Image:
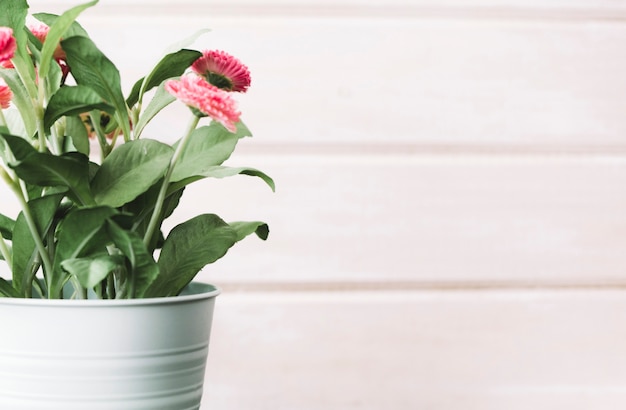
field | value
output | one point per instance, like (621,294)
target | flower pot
(135,354)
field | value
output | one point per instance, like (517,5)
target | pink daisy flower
(7,44)
(223,71)
(5,95)
(206,98)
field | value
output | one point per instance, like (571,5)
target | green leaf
(92,68)
(244,229)
(207,147)
(81,233)
(186,42)
(25,254)
(188,248)
(91,271)
(7,291)
(75,29)
(130,170)
(75,129)
(222,172)
(57,30)
(72,101)
(160,100)
(6,227)
(13,15)
(172,65)
(144,268)
(21,99)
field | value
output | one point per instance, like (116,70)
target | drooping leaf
(222,172)
(144,268)
(81,233)
(130,170)
(188,248)
(72,101)
(244,229)
(90,67)
(91,271)
(57,30)
(6,227)
(207,147)
(25,253)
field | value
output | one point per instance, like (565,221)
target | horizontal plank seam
(359,11)
(390,286)
(390,148)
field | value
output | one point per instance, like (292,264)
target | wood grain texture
(418,350)
(424,218)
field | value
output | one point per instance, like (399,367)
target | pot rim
(194,291)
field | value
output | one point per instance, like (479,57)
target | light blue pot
(141,354)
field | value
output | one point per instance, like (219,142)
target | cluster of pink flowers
(208,89)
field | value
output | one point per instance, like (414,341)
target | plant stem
(3,120)
(30,221)
(5,251)
(158,206)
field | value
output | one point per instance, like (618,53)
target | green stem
(3,120)
(30,221)
(5,251)
(158,206)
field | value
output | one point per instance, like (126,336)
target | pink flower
(7,44)
(223,71)
(206,98)
(5,95)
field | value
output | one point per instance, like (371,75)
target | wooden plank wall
(449,226)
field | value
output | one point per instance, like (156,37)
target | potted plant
(101,310)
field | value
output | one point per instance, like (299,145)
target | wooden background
(449,226)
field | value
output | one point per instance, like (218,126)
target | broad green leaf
(92,68)
(160,100)
(69,170)
(25,254)
(207,147)
(91,271)
(172,65)
(7,291)
(81,233)
(222,172)
(244,229)
(21,99)
(57,30)
(6,227)
(73,101)
(188,248)
(144,268)
(130,170)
